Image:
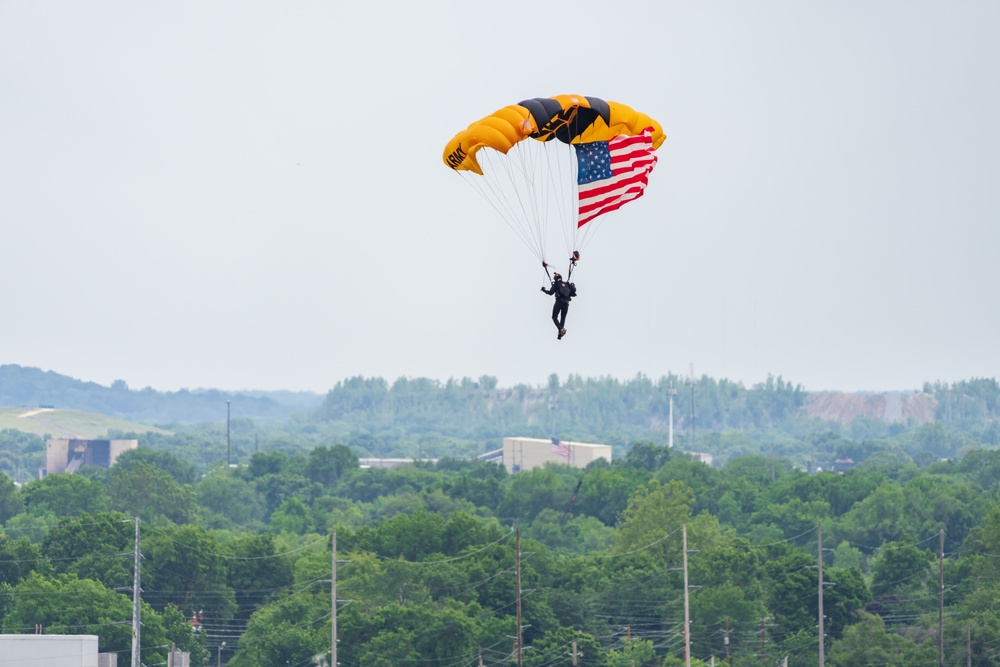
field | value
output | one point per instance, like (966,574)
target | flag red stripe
(632,159)
(618,183)
(615,204)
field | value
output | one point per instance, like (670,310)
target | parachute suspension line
(529,154)
(488,191)
(563,171)
(575,199)
(589,230)
(517,168)
(503,195)
(520,169)
(566,169)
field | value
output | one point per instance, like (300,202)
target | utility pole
(480,656)
(517,577)
(941,602)
(229,450)
(136,624)
(763,640)
(671,392)
(333,602)
(968,647)
(575,663)
(728,659)
(687,613)
(822,636)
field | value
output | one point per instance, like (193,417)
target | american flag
(560,448)
(612,173)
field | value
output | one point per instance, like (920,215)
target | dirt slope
(888,406)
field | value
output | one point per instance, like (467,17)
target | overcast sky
(250,195)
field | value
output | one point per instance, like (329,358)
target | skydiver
(563,292)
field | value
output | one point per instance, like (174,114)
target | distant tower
(671,392)
(690,383)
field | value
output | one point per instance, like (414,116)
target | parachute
(587,157)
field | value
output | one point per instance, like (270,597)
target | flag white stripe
(632,159)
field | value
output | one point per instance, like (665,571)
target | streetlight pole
(229,450)
(218,658)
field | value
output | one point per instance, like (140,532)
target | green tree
(556,647)
(579,535)
(868,643)
(97,546)
(186,566)
(18,558)
(604,492)
(646,456)
(654,514)
(532,491)
(64,495)
(150,493)
(843,602)
(65,604)
(791,582)
(11,502)
(182,471)
(231,497)
(878,518)
(636,653)
(276,488)
(290,631)
(293,517)
(329,464)
(256,572)
(899,566)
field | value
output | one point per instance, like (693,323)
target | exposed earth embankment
(887,406)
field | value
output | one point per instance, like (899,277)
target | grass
(67,423)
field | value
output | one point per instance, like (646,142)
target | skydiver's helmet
(556,276)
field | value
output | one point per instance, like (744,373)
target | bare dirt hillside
(888,407)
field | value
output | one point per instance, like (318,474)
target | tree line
(429,550)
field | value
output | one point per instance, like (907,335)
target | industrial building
(520,454)
(68,455)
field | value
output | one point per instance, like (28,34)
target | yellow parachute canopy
(571,119)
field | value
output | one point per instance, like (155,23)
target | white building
(527,453)
(49,651)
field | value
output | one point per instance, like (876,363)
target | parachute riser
(569,272)
(572,265)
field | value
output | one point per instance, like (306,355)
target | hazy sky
(251,194)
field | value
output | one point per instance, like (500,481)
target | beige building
(66,455)
(527,453)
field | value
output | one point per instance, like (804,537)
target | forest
(427,553)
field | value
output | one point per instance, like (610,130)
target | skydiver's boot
(562,332)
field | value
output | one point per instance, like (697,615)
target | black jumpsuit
(563,295)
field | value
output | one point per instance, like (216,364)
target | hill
(67,423)
(34,388)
